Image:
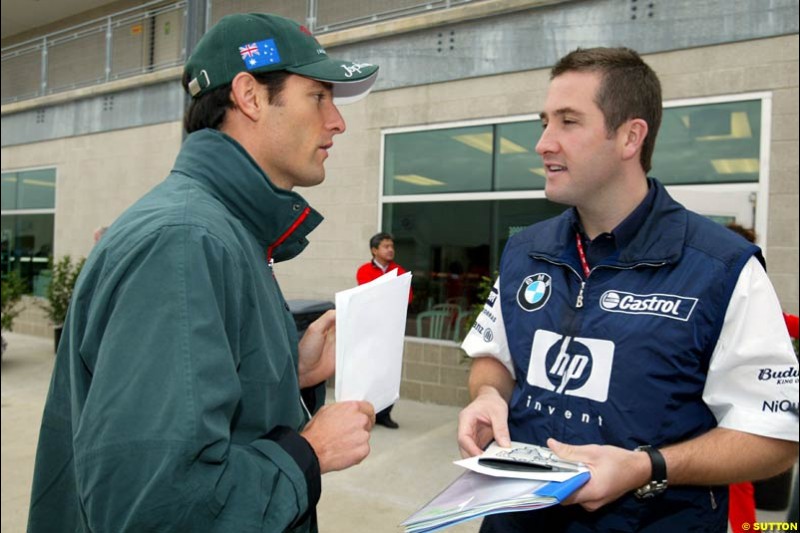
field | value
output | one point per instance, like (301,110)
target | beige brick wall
(98,176)
(435,373)
(32,319)
(349,196)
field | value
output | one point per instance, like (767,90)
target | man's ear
(634,134)
(247,95)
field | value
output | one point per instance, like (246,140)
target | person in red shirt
(382,247)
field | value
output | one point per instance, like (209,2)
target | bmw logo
(534,292)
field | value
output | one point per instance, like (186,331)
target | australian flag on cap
(259,54)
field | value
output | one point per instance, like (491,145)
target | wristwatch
(658,481)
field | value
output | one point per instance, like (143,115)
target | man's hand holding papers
(339,434)
(614,471)
(317,351)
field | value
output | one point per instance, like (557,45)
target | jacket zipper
(581,290)
(282,238)
(579,301)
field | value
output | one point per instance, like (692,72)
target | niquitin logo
(783,406)
(664,305)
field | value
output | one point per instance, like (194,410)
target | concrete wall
(763,65)
(349,196)
(435,372)
(32,319)
(98,176)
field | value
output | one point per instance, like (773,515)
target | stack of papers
(474,494)
(370,329)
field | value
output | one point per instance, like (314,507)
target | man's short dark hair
(629,89)
(747,233)
(208,110)
(376,240)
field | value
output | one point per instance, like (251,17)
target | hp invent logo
(574,366)
(664,305)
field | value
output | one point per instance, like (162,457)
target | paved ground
(406,468)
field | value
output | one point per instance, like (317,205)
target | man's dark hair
(628,89)
(376,240)
(747,233)
(208,110)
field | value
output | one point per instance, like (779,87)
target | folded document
(370,328)
(523,477)
(474,495)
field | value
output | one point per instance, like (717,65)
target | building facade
(441,152)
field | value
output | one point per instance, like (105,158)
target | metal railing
(128,43)
(151,37)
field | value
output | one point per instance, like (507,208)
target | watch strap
(658,477)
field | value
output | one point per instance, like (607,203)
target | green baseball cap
(261,42)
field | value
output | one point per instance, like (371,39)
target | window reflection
(712,143)
(520,170)
(438,161)
(27,238)
(449,245)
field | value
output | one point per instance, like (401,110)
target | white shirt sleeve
(753,378)
(487,337)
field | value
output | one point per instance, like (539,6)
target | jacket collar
(279,219)
(659,239)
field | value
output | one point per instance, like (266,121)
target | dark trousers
(383,415)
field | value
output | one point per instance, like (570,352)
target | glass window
(9,190)
(518,166)
(36,189)
(27,238)
(709,143)
(450,248)
(450,245)
(27,245)
(438,161)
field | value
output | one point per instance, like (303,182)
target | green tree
(59,292)
(484,289)
(13,288)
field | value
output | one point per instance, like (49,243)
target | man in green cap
(181,399)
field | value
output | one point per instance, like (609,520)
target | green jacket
(174,404)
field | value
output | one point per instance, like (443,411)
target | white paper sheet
(370,328)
